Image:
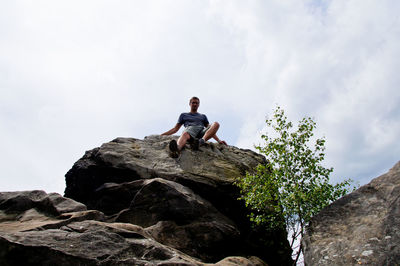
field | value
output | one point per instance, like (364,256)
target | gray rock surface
(363,227)
(173,215)
(188,203)
(31,233)
(129,159)
(129,203)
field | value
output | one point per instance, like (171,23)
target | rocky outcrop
(363,227)
(127,159)
(188,203)
(129,203)
(46,229)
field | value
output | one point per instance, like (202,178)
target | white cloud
(333,62)
(76,74)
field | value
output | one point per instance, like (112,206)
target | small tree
(293,185)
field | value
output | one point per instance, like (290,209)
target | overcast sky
(76,74)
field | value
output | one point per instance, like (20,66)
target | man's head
(194,104)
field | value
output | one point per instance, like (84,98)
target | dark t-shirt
(189,119)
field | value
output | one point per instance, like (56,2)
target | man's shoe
(202,142)
(173,147)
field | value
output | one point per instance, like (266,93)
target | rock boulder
(361,228)
(46,229)
(129,203)
(189,203)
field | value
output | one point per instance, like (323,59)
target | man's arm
(172,130)
(216,137)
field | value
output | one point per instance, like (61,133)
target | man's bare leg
(183,139)
(211,131)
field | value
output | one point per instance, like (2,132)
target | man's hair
(194,98)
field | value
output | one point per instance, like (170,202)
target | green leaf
(293,185)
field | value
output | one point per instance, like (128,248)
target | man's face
(194,105)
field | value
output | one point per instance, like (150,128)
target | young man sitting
(197,128)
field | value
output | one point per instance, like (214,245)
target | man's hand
(222,142)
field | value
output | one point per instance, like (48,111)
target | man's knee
(215,125)
(186,135)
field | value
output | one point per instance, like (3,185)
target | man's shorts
(196,131)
